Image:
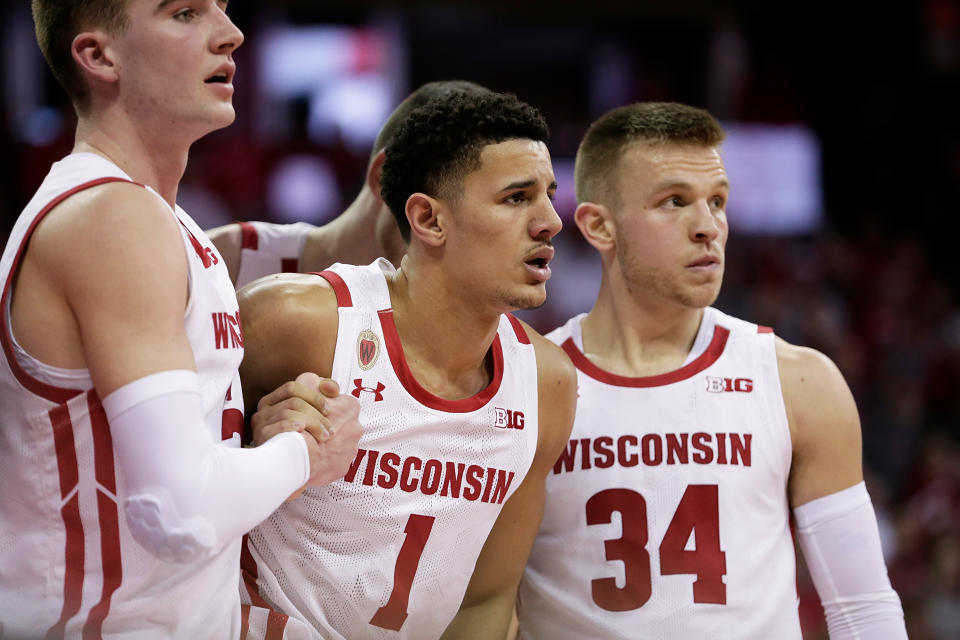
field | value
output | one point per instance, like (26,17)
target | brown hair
(651,122)
(57,23)
(424,94)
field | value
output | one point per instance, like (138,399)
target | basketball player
(464,408)
(121,341)
(364,232)
(668,513)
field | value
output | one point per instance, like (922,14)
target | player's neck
(153,160)
(446,344)
(637,339)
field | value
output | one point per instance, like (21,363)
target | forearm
(187,495)
(841,545)
(268,248)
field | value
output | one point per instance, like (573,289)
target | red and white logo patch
(368,349)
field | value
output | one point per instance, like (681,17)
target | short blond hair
(609,137)
(57,23)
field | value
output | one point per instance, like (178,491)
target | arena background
(844,156)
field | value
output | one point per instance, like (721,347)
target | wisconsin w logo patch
(368,349)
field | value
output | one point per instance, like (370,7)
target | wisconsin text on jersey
(412,474)
(226,330)
(654,449)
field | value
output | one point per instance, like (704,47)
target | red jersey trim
(707,358)
(249,572)
(276,621)
(522,336)
(339,287)
(289,265)
(107,513)
(248,236)
(424,397)
(763,329)
(73,551)
(42,389)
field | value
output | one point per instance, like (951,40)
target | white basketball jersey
(387,551)
(68,564)
(667,515)
(267,248)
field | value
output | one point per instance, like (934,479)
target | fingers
(329,423)
(291,414)
(329,387)
(336,454)
(308,386)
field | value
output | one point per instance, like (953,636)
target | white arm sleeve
(268,248)
(186,494)
(841,544)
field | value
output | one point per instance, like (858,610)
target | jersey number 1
(393,614)
(697,513)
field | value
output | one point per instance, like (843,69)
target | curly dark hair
(440,142)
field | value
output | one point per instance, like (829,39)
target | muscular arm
(114,259)
(836,524)
(824,424)
(488,605)
(289,326)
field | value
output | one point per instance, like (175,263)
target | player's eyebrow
(523,184)
(723,183)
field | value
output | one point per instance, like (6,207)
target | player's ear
(374,171)
(423,214)
(93,55)
(596,224)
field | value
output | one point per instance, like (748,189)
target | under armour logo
(377,395)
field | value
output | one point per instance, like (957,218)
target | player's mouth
(706,264)
(538,263)
(223,76)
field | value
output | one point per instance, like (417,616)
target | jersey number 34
(698,512)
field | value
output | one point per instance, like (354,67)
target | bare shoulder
(806,375)
(290,326)
(824,423)
(106,279)
(118,219)
(287,296)
(116,244)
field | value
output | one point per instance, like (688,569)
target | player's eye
(185,15)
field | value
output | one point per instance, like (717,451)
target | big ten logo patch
(716,384)
(507,418)
(368,349)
